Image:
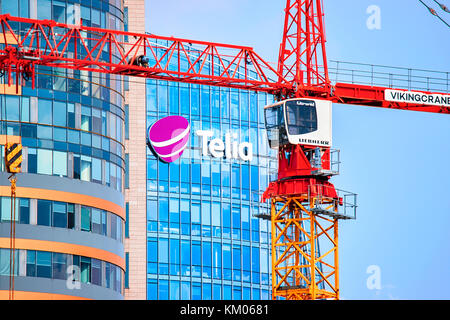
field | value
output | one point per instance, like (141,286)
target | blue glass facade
(72,124)
(203,241)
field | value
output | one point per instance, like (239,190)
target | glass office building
(203,239)
(70,203)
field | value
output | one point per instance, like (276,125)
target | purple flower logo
(168,137)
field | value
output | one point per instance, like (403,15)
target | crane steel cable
(12,179)
(443,7)
(12,264)
(434,13)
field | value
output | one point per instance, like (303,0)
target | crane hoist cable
(12,161)
(434,13)
(12,266)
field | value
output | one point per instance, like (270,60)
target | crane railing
(389,77)
(342,206)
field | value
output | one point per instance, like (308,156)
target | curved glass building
(70,211)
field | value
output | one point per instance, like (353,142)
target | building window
(163,256)
(24,211)
(127,169)
(127,269)
(44,264)
(196,291)
(113,222)
(216,260)
(59,215)
(5,262)
(127,117)
(125,22)
(32,160)
(85,219)
(85,118)
(76,167)
(12,107)
(97,221)
(152,256)
(59,163)
(108,275)
(85,168)
(127,219)
(45,111)
(96,272)
(152,290)
(217,292)
(43,212)
(44,161)
(174,257)
(6,209)
(206,291)
(104,223)
(60,113)
(96,170)
(96,121)
(10,7)
(196,259)
(31,263)
(85,264)
(71,115)
(59,263)
(126,83)
(70,216)
(174,290)
(163,290)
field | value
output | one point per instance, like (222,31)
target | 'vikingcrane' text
(417,97)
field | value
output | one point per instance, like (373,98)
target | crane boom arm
(78,47)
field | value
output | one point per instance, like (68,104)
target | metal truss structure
(299,270)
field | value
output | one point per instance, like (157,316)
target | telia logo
(169,137)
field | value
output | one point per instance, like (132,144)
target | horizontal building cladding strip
(61,247)
(35,193)
(63,235)
(11,139)
(64,189)
(66,184)
(10,89)
(24,295)
(35,288)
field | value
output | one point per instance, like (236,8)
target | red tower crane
(305,206)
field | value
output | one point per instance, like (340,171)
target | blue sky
(396,161)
